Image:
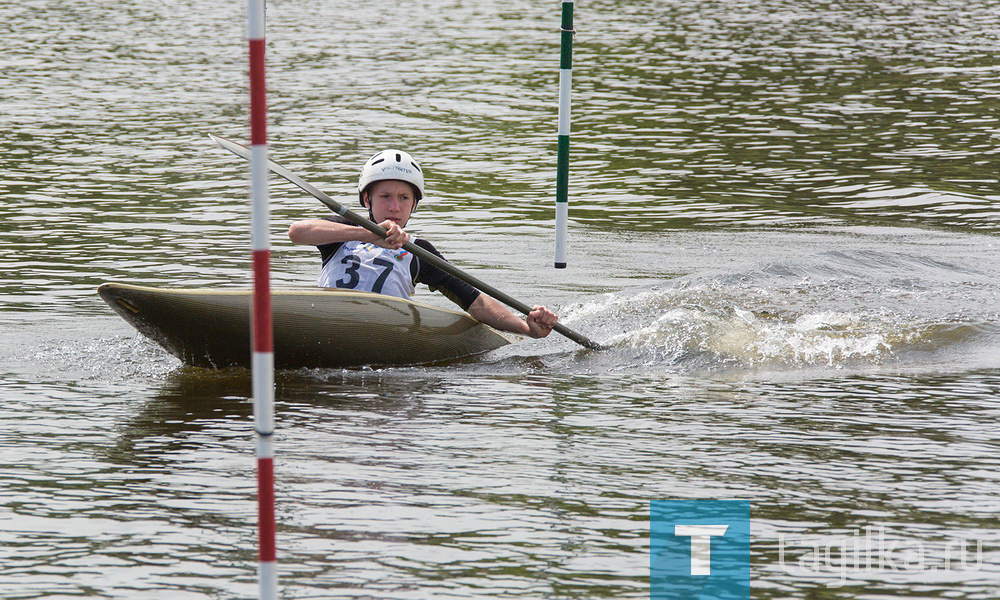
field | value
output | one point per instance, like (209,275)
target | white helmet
(391,164)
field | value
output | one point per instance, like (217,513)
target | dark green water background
(783,221)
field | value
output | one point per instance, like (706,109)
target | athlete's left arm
(537,324)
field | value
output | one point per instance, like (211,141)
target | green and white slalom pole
(562,160)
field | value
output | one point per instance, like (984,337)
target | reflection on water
(740,171)
(397,481)
(758,113)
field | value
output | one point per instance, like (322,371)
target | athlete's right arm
(317,232)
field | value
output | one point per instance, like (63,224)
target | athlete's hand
(395,236)
(540,321)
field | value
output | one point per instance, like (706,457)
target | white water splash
(825,338)
(711,326)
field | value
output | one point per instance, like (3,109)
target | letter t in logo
(701,545)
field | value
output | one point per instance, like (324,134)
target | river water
(783,224)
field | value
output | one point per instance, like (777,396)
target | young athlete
(390,186)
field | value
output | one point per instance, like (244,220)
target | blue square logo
(700,550)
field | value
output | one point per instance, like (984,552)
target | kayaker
(390,186)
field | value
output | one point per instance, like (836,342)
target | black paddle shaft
(340,209)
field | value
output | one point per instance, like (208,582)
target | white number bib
(369,268)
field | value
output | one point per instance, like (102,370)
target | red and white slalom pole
(263,345)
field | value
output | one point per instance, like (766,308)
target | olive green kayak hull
(316,327)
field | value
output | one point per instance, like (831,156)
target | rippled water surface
(783,225)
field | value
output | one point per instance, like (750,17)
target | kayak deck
(315,327)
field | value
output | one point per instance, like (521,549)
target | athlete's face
(391,199)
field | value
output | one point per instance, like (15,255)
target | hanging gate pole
(263,343)
(562,164)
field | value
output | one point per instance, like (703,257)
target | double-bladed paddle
(340,209)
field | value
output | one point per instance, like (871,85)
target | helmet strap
(367,203)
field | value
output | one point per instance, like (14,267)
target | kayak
(313,328)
